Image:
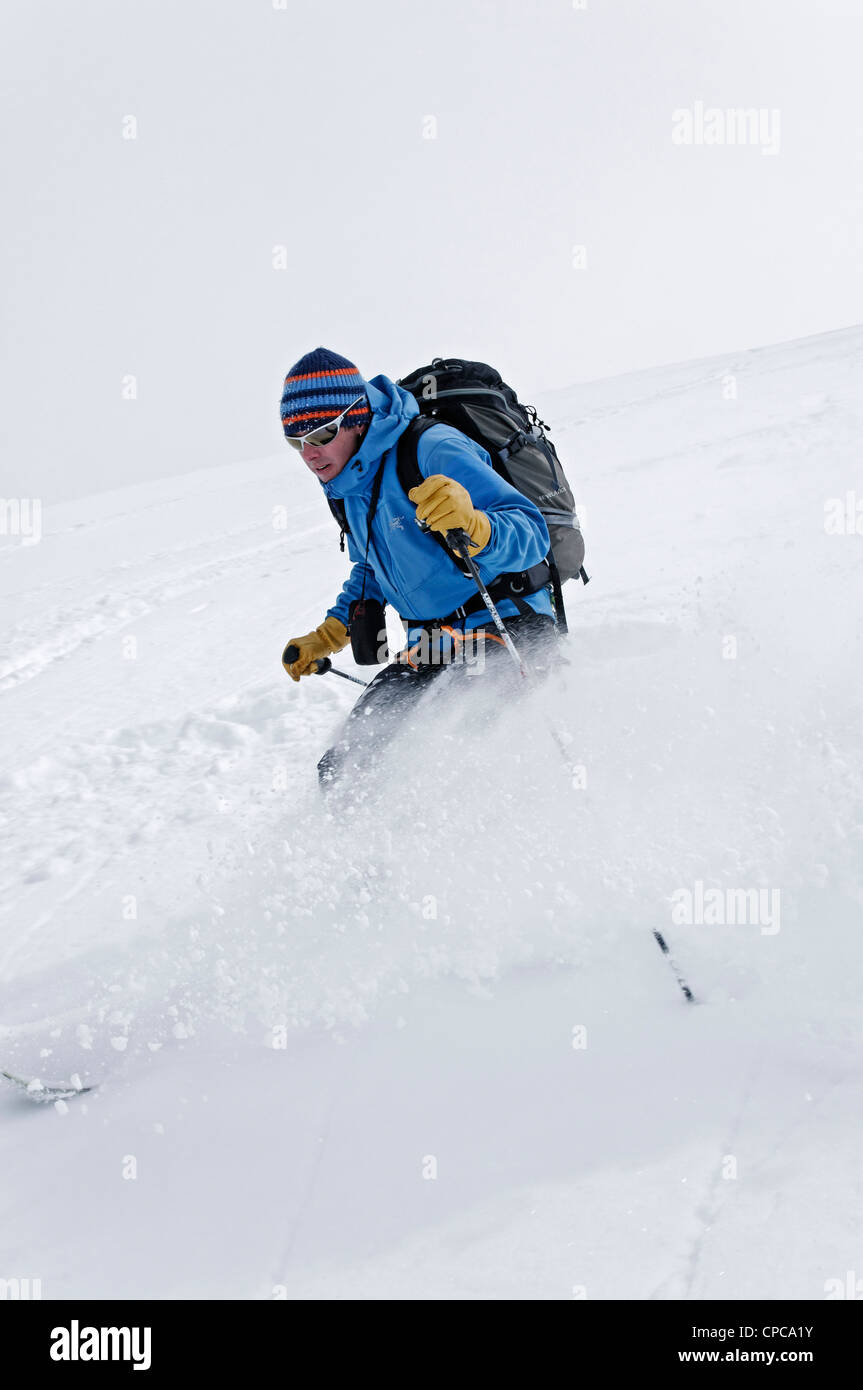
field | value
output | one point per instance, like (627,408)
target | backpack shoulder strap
(409,475)
(407,463)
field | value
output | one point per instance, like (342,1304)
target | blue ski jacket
(406,567)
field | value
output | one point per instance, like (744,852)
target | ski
(41,1094)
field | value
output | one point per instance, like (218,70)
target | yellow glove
(446,506)
(330,637)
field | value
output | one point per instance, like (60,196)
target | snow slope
(425,1046)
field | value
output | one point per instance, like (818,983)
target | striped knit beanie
(317,389)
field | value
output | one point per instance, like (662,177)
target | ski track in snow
(291,1009)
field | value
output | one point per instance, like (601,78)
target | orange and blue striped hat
(317,389)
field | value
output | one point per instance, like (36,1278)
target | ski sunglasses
(324,434)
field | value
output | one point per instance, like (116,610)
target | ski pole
(459,541)
(661,942)
(321,667)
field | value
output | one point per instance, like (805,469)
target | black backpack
(472,397)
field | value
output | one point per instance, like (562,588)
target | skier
(346,429)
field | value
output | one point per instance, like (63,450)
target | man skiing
(346,430)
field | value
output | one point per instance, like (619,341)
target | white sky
(303,127)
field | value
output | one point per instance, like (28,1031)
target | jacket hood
(392,410)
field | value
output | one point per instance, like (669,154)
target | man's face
(326,461)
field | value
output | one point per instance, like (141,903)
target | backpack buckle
(513,445)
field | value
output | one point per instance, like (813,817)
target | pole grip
(458,540)
(292,652)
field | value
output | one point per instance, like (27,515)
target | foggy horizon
(191,206)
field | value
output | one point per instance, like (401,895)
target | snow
(425,1046)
